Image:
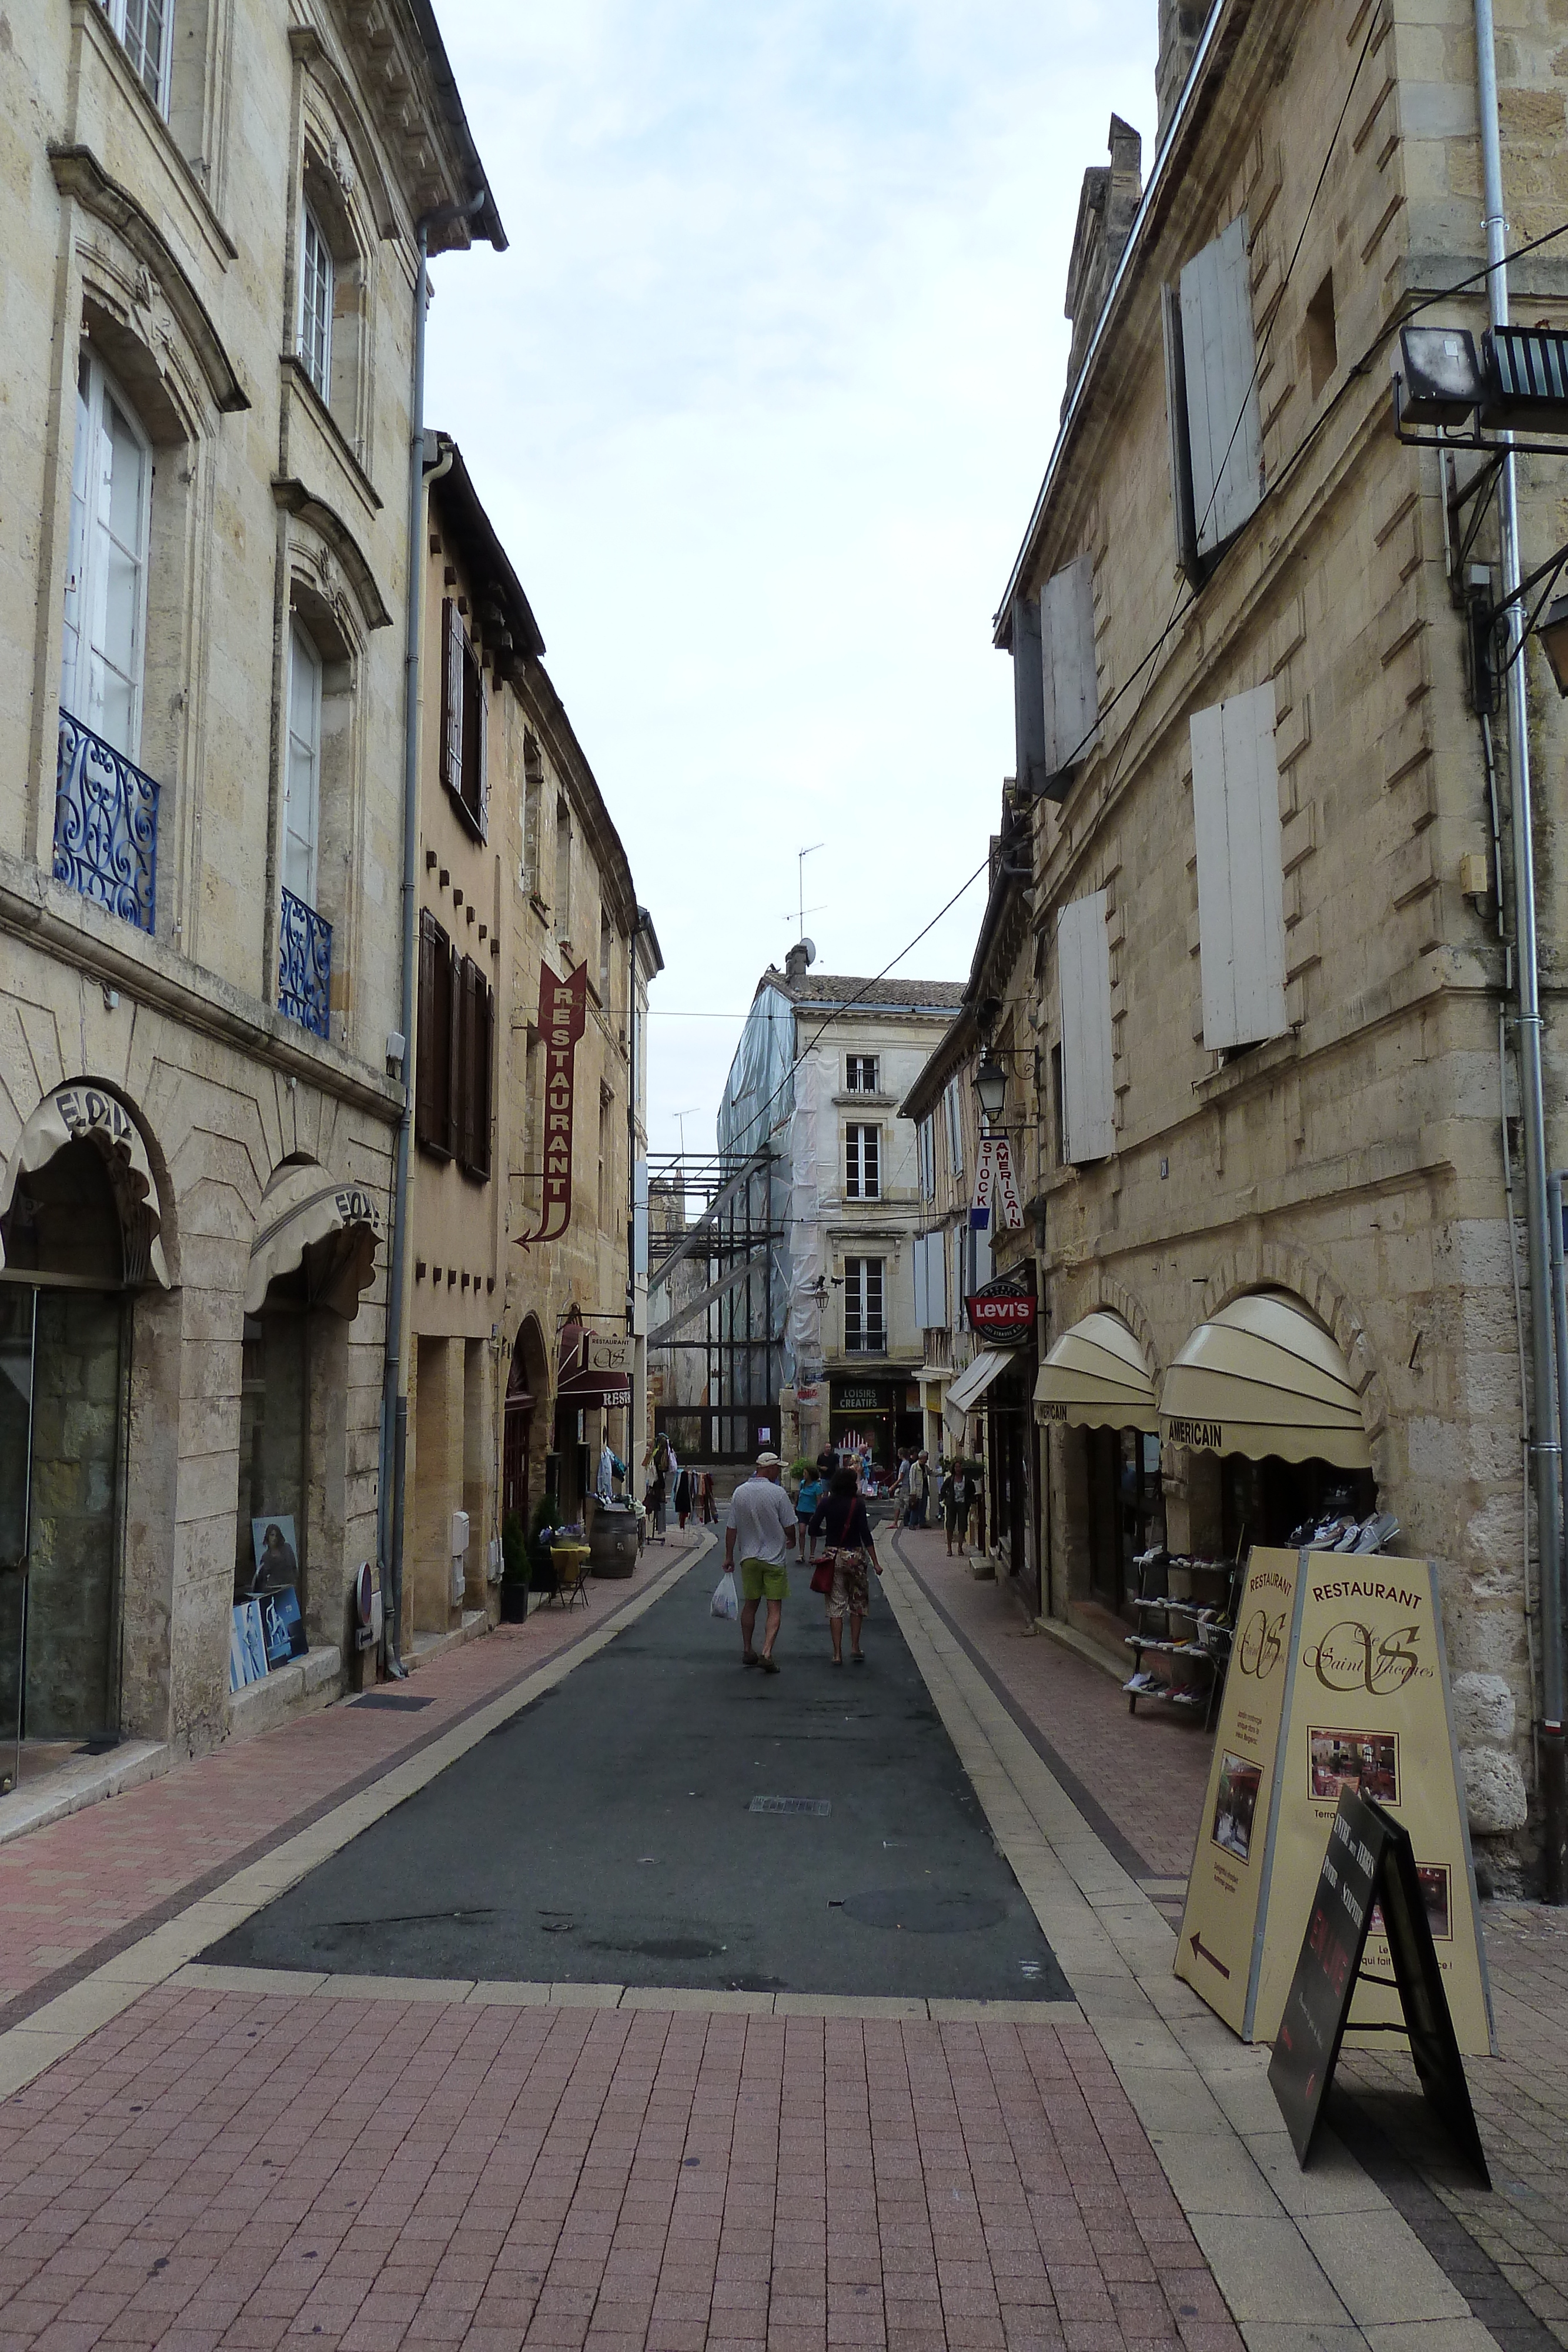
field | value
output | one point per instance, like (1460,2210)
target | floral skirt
(852,1584)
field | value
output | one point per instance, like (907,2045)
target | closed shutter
(936,1277)
(1181,447)
(485,1057)
(453,1051)
(1083,977)
(452,650)
(924,1317)
(483,776)
(1067,662)
(1219,352)
(1028,708)
(432,941)
(1241,876)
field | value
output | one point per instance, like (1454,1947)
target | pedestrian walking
(849,1546)
(683,1498)
(901,1485)
(813,1487)
(919,1491)
(762,1526)
(969,1502)
(656,1491)
(948,1497)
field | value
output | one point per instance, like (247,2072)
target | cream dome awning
(82,1113)
(1095,1377)
(302,1208)
(1261,1378)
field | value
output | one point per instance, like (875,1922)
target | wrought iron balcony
(106,824)
(305,967)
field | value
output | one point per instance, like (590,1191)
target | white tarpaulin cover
(304,1206)
(974,1380)
(83,1113)
(1260,1378)
(1095,1377)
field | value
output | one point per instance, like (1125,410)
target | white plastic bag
(724,1603)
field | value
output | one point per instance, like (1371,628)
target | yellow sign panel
(1337,1677)
(1224,1893)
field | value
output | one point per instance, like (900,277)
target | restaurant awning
(1095,1377)
(976,1378)
(304,1210)
(1261,1378)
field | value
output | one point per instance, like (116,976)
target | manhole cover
(924,1910)
(402,1702)
(818,1805)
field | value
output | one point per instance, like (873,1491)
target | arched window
(106,579)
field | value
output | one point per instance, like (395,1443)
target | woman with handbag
(841,1574)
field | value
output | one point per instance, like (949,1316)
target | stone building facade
(521,873)
(1271,907)
(205,439)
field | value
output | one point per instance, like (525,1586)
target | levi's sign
(1004,1311)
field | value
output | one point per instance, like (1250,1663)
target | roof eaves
(487,226)
(460,502)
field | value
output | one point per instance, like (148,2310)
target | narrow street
(529,2031)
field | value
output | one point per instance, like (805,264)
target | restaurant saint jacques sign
(563,1016)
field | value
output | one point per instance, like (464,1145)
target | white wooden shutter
(936,1277)
(1083,974)
(1219,350)
(921,1296)
(1240,878)
(1067,664)
(1029,715)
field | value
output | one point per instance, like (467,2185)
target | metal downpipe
(1547,1452)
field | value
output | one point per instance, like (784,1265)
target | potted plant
(514,1570)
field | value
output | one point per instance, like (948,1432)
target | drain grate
(817,1805)
(400,1701)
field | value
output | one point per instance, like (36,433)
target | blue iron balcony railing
(106,824)
(305,967)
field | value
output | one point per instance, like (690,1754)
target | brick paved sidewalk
(1147,1774)
(80,1888)
(236,2169)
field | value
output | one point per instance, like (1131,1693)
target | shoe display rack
(1182,1645)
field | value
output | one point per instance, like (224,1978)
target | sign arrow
(1202,1952)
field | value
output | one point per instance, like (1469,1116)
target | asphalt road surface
(610,1834)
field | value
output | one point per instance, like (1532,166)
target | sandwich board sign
(1337,1680)
(1368,1874)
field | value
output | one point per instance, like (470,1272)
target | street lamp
(991,1085)
(1552,633)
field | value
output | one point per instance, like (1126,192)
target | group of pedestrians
(764,1527)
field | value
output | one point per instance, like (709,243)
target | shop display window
(1126,1509)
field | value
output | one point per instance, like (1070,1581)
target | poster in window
(283,1627)
(277,1552)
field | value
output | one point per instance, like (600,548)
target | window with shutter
(1067,666)
(485,1076)
(1083,980)
(454,1052)
(452,648)
(432,1045)
(1240,873)
(466,1042)
(922,1316)
(1029,705)
(1219,364)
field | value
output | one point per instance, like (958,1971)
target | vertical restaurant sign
(563,1016)
(996,1200)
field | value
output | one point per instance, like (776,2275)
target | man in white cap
(761,1525)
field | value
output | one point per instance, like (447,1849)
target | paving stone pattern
(231,2170)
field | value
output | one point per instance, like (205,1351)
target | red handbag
(823,1574)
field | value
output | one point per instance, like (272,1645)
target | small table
(571,1561)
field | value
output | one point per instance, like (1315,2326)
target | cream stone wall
(1354,1161)
(169,249)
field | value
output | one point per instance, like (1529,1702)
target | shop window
(863,1163)
(1241,870)
(143,28)
(1084,985)
(463,721)
(1126,1508)
(1211,394)
(860,1073)
(865,1330)
(274,1415)
(106,574)
(1069,683)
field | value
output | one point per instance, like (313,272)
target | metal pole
(1547,1450)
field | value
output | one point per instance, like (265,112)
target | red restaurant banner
(563,1016)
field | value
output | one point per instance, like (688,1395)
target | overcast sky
(759,399)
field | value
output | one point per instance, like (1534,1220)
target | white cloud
(759,399)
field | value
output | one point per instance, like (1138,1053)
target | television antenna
(800,857)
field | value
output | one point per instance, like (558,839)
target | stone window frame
(335,183)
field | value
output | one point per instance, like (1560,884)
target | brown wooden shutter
(451,652)
(485,1063)
(466,1063)
(453,1051)
(426,1037)
(483,799)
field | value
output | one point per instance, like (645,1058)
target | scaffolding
(723,1219)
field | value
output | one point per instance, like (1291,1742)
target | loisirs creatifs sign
(563,1015)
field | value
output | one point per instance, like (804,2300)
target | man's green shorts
(764,1579)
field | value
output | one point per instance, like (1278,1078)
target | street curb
(57,2027)
(1307,2262)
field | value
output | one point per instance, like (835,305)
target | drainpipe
(394,1455)
(1546,1451)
